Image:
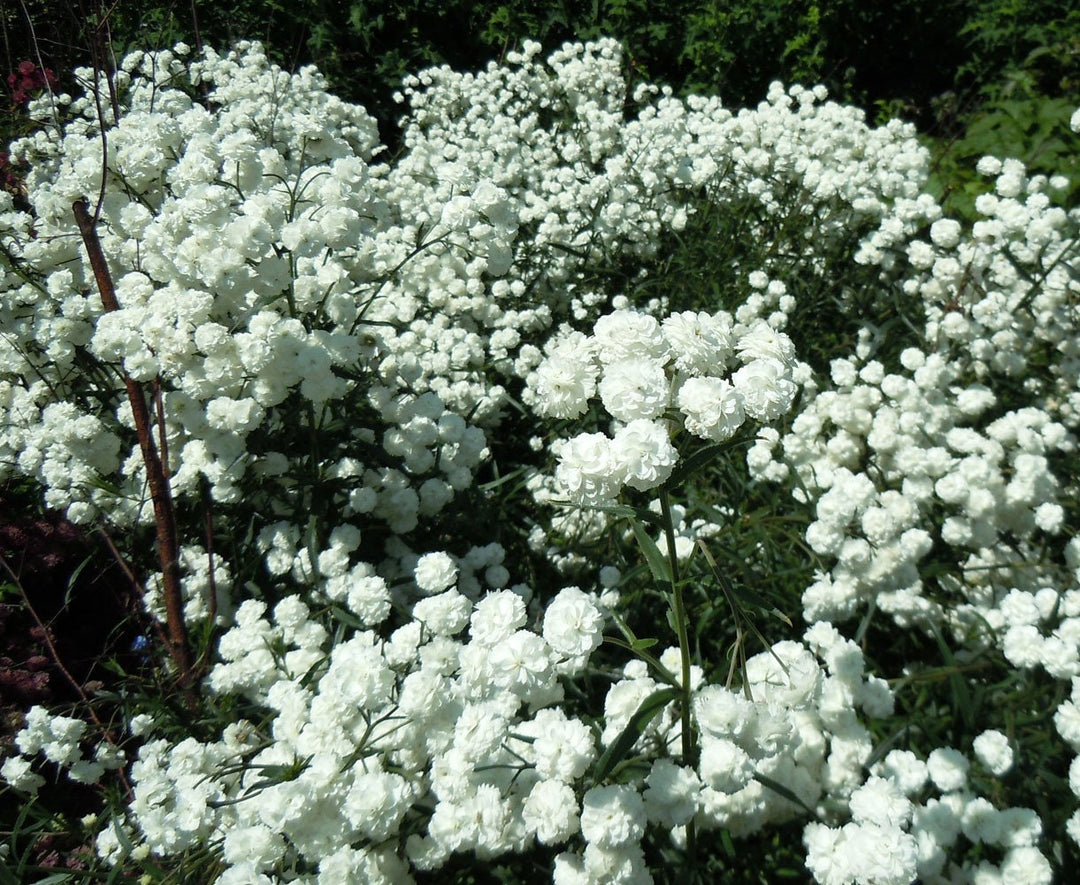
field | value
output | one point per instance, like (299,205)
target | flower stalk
(678,605)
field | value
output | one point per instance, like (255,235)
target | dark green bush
(894,59)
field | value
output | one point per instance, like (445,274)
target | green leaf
(957,684)
(99,482)
(746,597)
(639,647)
(692,464)
(780,789)
(650,517)
(658,564)
(626,631)
(616,752)
(728,843)
(75,577)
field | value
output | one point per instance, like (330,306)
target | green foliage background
(978,77)
(1000,63)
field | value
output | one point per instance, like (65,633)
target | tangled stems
(164,516)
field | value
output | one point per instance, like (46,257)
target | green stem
(689,744)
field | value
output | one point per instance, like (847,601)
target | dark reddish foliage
(86,611)
(27,80)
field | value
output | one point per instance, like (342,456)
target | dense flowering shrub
(335,345)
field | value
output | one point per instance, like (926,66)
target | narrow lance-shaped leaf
(781,790)
(658,563)
(617,750)
(692,464)
(747,597)
(957,683)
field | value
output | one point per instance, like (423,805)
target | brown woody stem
(160,493)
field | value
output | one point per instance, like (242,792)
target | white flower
(701,342)
(551,811)
(569,869)
(948,768)
(496,616)
(634,389)
(86,772)
(712,406)
(435,572)
(646,454)
(992,750)
(906,770)
(725,766)
(376,803)
(521,663)
(824,857)
(671,795)
(882,855)
(563,747)
(857,853)
(621,863)
(587,471)
(480,729)
(563,385)
(257,845)
(723,713)
(981,821)
(945,233)
(880,802)
(17,772)
(612,816)
(445,613)
(573,625)
(1026,863)
(765,388)
(368,596)
(622,701)
(234,415)
(627,334)
(788,676)
(60,741)
(762,341)
(1050,517)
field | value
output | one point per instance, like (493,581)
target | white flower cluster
(381,756)
(935,453)
(333,334)
(59,740)
(1004,295)
(884,455)
(365,734)
(567,180)
(898,834)
(642,370)
(263,265)
(248,245)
